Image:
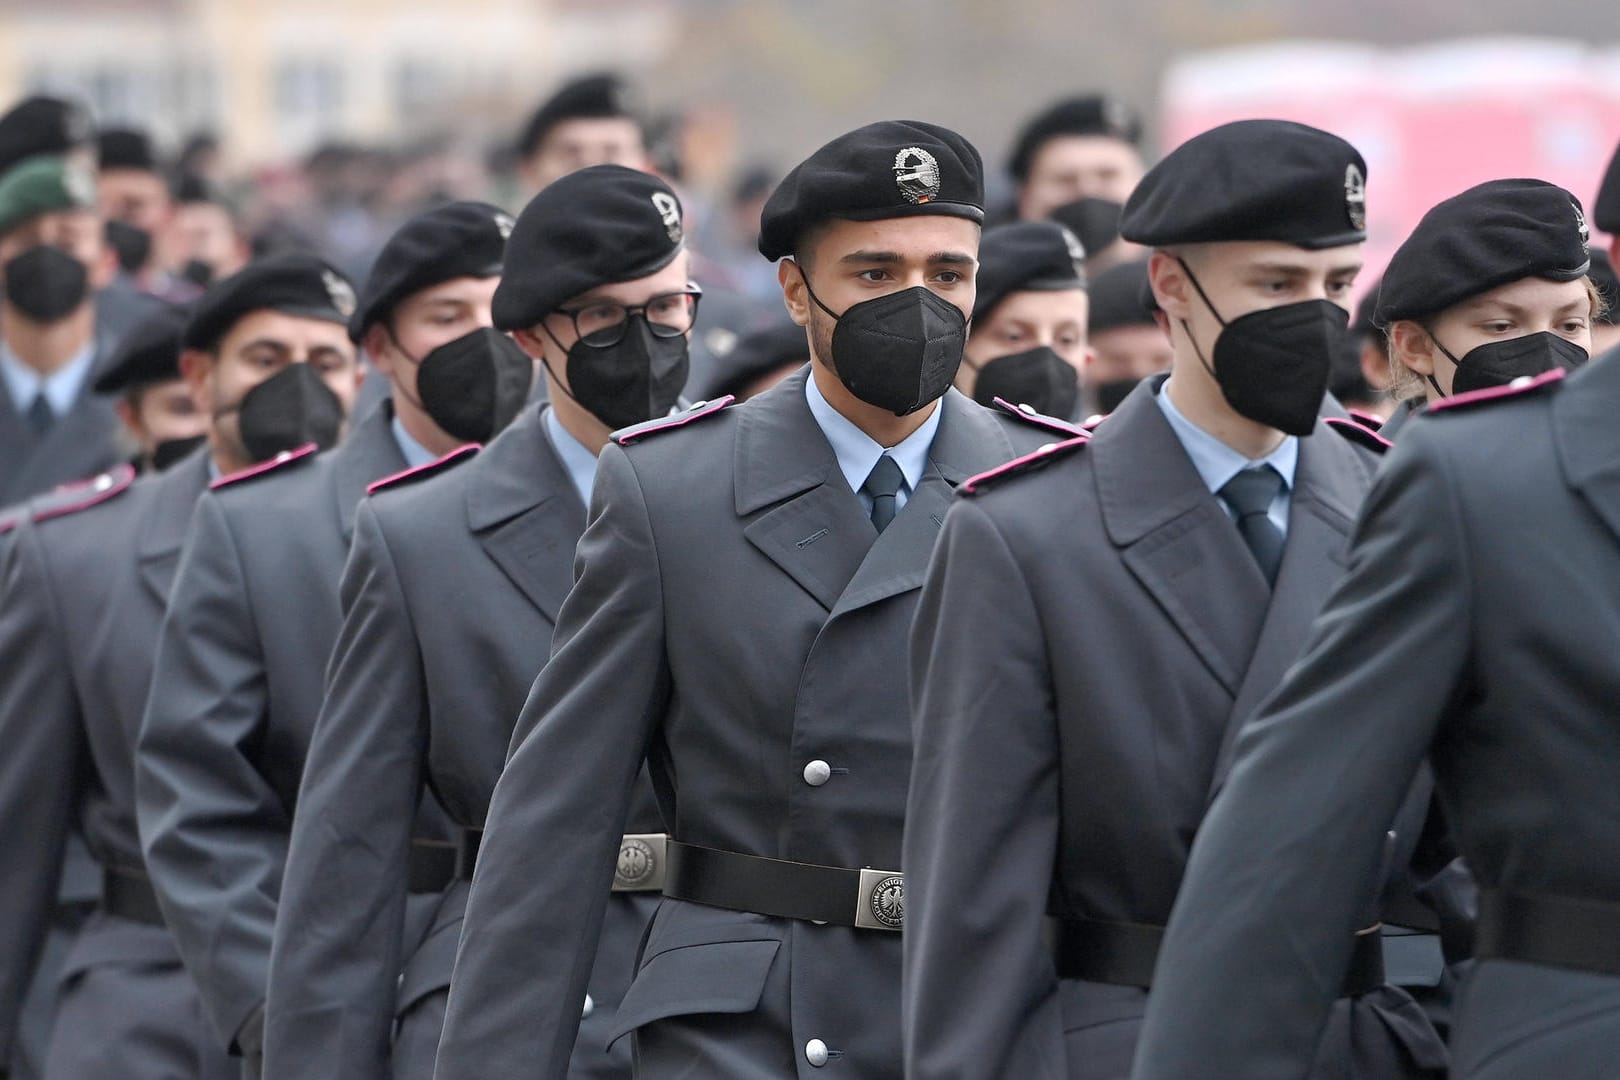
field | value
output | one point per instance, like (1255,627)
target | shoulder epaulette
(1358,433)
(1028,415)
(698,411)
(422,472)
(281,460)
(1017,466)
(1366,419)
(81,494)
(1524,384)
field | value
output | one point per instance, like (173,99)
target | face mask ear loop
(547,365)
(1187,329)
(414,399)
(804,277)
(1456,363)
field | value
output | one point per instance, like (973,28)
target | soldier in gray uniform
(1606,216)
(451,591)
(1099,618)
(738,622)
(241,657)
(85,584)
(1450,640)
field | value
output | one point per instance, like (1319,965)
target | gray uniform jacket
(81,443)
(236,688)
(1478,626)
(84,587)
(449,598)
(735,617)
(1090,633)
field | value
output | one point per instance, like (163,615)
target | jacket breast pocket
(694,978)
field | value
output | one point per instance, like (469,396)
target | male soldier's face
(134,196)
(1071,167)
(259,346)
(162,412)
(1028,320)
(425,320)
(575,144)
(207,233)
(1128,352)
(848,262)
(1517,309)
(78,232)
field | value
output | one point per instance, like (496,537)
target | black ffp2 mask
(474,386)
(288,410)
(45,283)
(900,351)
(637,378)
(1272,365)
(1037,377)
(1497,363)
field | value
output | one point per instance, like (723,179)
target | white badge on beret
(504,225)
(670,212)
(1077,250)
(916,173)
(340,292)
(1355,196)
(1580,223)
(80,184)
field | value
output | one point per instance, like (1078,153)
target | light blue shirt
(1217,463)
(416,455)
(858,453)
(576,457)
(61,387)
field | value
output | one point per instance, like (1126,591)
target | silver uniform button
(103,482)
(815,1052)
(1027,409)
(818,772)
(590,1007)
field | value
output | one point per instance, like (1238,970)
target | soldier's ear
(794,293)
(1412,347)
(1171,289)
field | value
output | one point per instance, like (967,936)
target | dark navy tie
(40,415)
(1250,494)
(881,487)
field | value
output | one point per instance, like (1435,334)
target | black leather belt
(127,892)
(1124,954)
(432,865)
(642,865)
(1558,931)
(868,899)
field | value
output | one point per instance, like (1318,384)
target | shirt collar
(1215,461)
(61,387)
(416,455)
(858,452)
(576,457)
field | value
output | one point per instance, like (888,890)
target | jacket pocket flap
(714,977)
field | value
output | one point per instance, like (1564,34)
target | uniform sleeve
(1290,852)
(979,993)
(338,939)
(213,829)
(42,732)
(545,867)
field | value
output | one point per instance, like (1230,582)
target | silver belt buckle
(643,863)
(881,902)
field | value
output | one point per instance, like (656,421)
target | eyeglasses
(603,323)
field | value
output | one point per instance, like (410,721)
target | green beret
(41,184)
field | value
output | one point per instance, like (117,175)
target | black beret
(1027,255)
(756,355)
(126,148)
(459,239)
(1490,235)
(1095,221)
(1608,285)
(1117,297)
(591,97)
(891,169)
(149,353)
(1365,319)
(596,226)
(295,284)
(1606,211)
(42,125)
(1253,180)
(1093,114)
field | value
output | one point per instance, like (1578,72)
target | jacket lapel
(1329,485)
(969,441)
(524,510)
(1175,537)
(366,456)
(175,494)
(1583,429)
(811,527)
